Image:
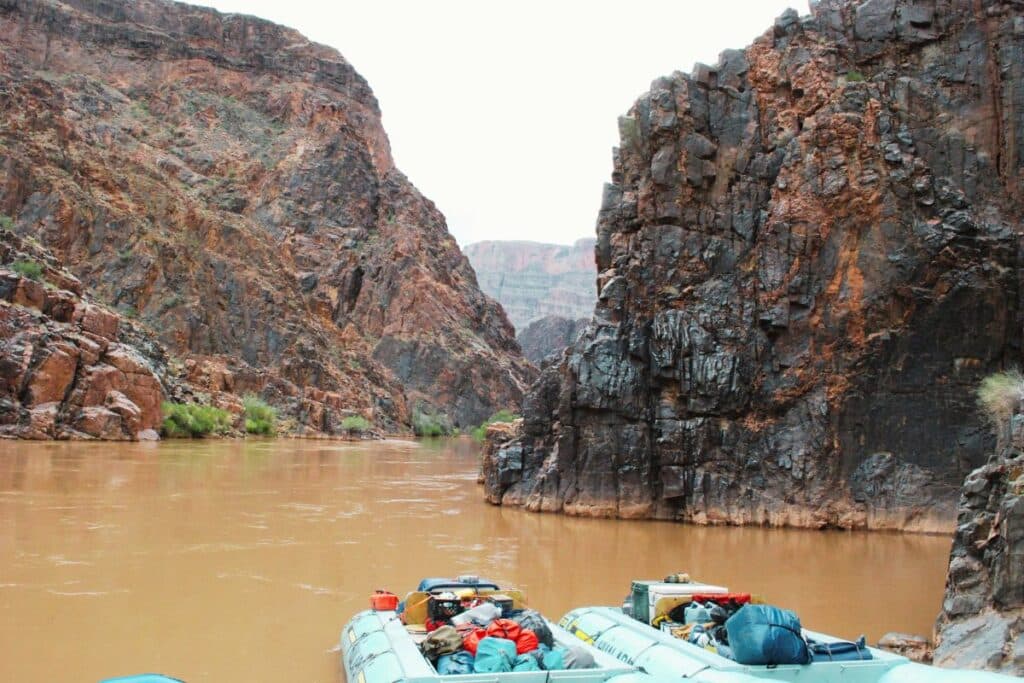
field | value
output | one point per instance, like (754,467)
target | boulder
(100,423)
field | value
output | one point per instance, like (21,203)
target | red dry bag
(504,628)
(472,639)
(526,642)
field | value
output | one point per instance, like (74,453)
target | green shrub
(260,416)
(356,424)
(854,77)
(999,396)
(6,223)
(190,420)
(29,269)
(431,424)
(502,415)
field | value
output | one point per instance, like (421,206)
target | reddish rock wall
(230,183)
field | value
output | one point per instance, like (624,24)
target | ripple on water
(61,561)
(86,594)
(244,575)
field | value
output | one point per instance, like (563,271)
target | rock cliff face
(229,183)
(69,367)
(533,280)
(808,256)
(548,336)
(982,621)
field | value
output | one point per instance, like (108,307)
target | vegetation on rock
(502,415)
(356,424)
(29,269)
(182,420)
(1000,395)
(260,416)
(428,423)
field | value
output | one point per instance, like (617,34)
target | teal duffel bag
(762,634)
(494,655)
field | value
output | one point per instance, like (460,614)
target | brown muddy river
(241,561)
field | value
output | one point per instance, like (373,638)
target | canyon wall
(532,280)
(227,184)
(808,256)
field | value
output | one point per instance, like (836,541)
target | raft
(379,647)
(627,634)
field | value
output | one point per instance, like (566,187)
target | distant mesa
(532,280)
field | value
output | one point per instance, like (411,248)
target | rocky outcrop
(808,256)
(67,368)
(982,619)
(73,368)
(229,183)
(532,280)
(548,336)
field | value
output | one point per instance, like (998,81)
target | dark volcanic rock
(808,256)
(548,336)
(982,619)
(230,182)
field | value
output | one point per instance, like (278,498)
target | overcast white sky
(505,113)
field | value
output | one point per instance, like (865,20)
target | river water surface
(225,561)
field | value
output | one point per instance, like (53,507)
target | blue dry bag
(494,655)
(526,662)
(460,662)
(762,634)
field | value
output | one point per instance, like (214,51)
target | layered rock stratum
(228,184)
(808,256)
(533,280)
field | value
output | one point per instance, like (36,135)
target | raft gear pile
(460,626)
(737,626)
(472,633)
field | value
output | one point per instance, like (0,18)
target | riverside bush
(356,424)
(431,424)
(1000,395)
(502,415)
(183,420)
(260,416)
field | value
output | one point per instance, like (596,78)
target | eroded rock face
(548,336)
(72,368)
(982,619)
(68,367)
(806,262)
(230,183)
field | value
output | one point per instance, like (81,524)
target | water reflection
(239,561)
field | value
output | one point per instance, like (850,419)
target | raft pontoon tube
(664,657)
